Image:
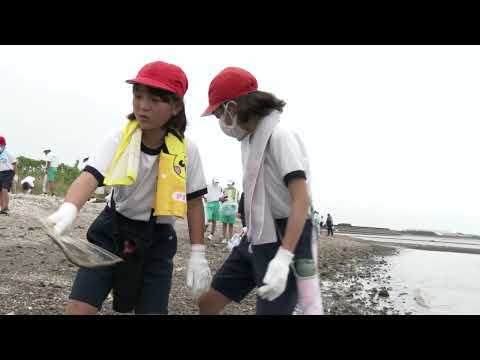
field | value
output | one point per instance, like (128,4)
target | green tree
(36,168)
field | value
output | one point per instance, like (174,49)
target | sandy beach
(35,277)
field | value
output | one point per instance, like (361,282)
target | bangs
(165,95)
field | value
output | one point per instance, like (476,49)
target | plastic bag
(234,241)
(79,252)
(229,208)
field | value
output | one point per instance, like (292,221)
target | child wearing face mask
(279,253)
(8,167)
(154,172)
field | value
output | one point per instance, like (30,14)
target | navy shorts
(246,266)
(6,179)
(93,285)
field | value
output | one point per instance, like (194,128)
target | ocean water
(427,282)
(435,282)
(444,243)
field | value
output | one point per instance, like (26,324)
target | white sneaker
(210,237)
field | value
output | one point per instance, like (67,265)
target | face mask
(232,130)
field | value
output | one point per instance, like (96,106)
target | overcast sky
(392,131)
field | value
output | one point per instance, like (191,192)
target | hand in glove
(276,277)
(63,217)
(198,272)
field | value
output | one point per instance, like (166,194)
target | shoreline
(355,277)
(428,247)
(36,278)
(368,230)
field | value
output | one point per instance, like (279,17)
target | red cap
(164,76)
(229,84)
(3,141)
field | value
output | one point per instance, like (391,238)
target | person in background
(51,170)
(329,225)
(8,167)
(213,197)
(228,210)
(28,184)
(317,220)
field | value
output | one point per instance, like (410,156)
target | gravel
(36,278)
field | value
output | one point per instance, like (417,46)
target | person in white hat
(51,170)
(213,197)
(28,184)
(228,210)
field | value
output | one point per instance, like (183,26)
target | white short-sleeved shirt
(285,159)
(135,201)
(215,192)
(53,160)
(30,180)
(6,161)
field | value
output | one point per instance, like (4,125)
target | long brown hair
(257,105)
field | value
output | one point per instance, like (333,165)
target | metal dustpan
(80,252)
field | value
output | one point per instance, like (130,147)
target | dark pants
(6,179)
(330,231)
(246,266)
(26,186)
(93,285)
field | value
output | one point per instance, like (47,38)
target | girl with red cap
(155,172)
(277,205)
(8,167)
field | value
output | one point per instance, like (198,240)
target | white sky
(391,130)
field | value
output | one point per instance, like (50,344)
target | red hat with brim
(3,141)
(164,76)
(229,84)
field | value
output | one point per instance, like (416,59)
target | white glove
(198,272)
(63,217)
(276,277)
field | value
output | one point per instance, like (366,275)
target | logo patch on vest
(179,196)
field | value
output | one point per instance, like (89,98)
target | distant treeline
(349,228)
(420,232)
(36,168)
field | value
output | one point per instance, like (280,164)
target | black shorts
(246,266)
(93,285)
(26,186)
(6,179)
